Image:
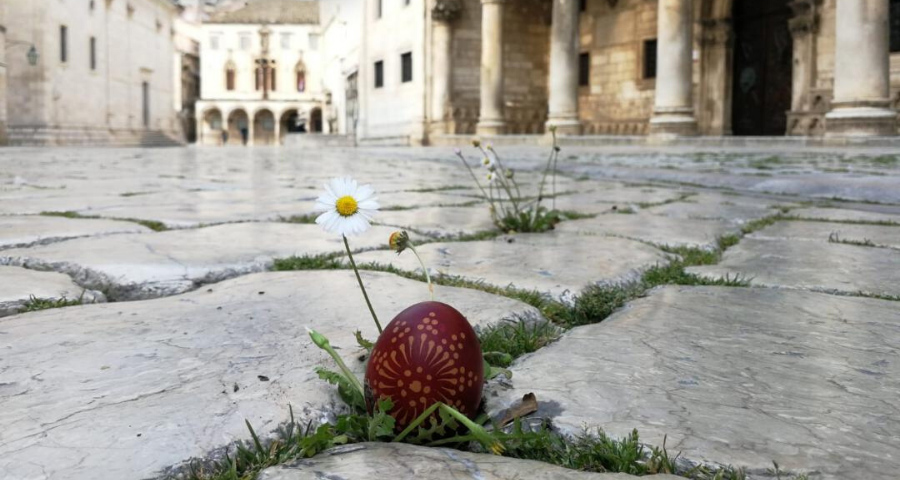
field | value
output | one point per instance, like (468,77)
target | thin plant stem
(417,422)
(474,177)
(361,286)
(322,342)
(425,269)
(502,181)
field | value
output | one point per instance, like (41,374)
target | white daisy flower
(492,177)
(488,163)
(348,208)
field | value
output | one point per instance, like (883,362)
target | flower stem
(361,286)
(322,342)
(425,269)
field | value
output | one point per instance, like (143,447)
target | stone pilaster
(861,71)
(491,120)
(715,83)
(442,16)
(673,112)
(563,84)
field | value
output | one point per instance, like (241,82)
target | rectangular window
(377,8)
(285,41)
(406,69)
(245,41)
(895,26)
(584,69)
(379,74)
(649,59)
(63,44)
(214,42)
(582,5)
(313,41)
(93,53)
(406,2)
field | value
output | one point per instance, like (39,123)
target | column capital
(446,10)
(719,31)
(805,19)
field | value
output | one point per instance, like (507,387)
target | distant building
(3,139)
(431,68)
(341,37)
(187,66)
(90,72)
(261,74)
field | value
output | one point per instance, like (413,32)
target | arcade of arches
(239,125)
(668,67)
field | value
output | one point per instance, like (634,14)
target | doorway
(763,54)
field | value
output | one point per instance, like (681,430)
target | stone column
(861,71)
(673,112)
(443,13)
(491,120)
(563,94)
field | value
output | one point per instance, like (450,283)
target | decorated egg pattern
(428,353)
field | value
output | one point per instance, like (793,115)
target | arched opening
(300,76)
(230,76)
(238,128)
(762,75)
(315,120)
(211,128)
(264,128)
(292,122)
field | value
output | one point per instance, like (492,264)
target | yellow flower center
(346,206)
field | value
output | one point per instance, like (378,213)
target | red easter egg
(428,353)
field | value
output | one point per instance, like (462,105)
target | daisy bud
(399,241)
(476,143)
(318,338)
(457,151)
(509,174)
(552,129)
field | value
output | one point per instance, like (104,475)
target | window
(406,2)
(649,59)
(895,25)
(93,53)
(229,76)
(285,41)
(584,69)
(258,76)
(214,42)
(273,74)
(313,41)
(377,8)
(300,70)
(63,47)
(406,67)
(379,74)
(582,5)
(245,41)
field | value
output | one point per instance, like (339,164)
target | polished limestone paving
(799,368)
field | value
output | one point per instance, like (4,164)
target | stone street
(175,325)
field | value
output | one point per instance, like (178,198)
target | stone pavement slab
(553,263)
(604,196)
(19,285)
(822,231)
(840,214)
(139,266)
(440,222)
(399,461)
(122,391)
(652,228)
(27,230)
(819,266)
(740,376)
(731,208)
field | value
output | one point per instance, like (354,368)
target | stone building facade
(629,67)
(90,72)
(3,139)
(261,75)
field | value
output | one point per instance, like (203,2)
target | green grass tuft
(151,224)
(35,304)
(515,337)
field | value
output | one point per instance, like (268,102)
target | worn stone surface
(716,206)
(442,222)
(23,231)
(838,214)
(408,462)
(887,236)
(603,197)
(740,376)
(18,286)
(818,266)
(115,391)
(653,228)
(548,262)
(167,263)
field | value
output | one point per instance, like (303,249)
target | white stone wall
(396,110)
(63,102)
(3,139)
(341,37)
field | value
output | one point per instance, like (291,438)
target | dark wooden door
(763,51)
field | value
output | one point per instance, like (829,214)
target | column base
(565,126)
(861,121)
(675,122)
(490,127)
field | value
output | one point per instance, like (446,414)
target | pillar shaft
(442,69)
(861,71)
(673,112)
(563,98)
(491,120)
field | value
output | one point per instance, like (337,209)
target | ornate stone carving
(717,32)
(446,10)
